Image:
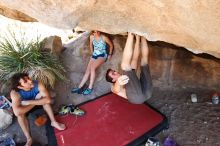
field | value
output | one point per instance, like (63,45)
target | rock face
(191,24)
(14,14)
(171,68)
(53,44)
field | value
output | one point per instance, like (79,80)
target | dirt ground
(190,124)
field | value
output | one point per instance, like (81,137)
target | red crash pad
(110,120)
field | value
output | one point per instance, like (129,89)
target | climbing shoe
(64,110)
(76,111)
(76,90)
(79,90)
(71,109)
(87,91)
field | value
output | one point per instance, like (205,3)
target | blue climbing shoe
(87,91)
(76,90)
(79,90)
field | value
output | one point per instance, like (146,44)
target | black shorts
(36,110)
(100,55)
(139,90)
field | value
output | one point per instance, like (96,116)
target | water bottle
(170,142)
(215,98)
(194,98)
(152,142)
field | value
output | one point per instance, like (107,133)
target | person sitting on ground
(98,45)
(26,94)
(128,85)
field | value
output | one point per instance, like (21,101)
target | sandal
(87,91)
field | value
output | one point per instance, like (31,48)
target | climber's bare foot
(137,37)
(131,34)
(29,142)
(58,126)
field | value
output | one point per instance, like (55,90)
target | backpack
(4,103)
(7,142)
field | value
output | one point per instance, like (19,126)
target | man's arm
(16,104)
(119,84)
(46,99)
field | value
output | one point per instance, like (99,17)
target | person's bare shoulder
(91,36)
(104,37)
(43,90)
(15,98)
(112,88)
(14,94)
(41,86)
(107,40)
(115,88)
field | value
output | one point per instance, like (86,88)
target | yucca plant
(20,55)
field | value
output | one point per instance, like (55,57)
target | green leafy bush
(21,55)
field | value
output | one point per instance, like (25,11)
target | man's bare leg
(145,77)
(127,53)
(144,51)
(133,87)
(23,122)
(54,123)
(136,53)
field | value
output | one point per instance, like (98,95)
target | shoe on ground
(77,111)
(79,90)
(87,91)
(76,90)
(64,110)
